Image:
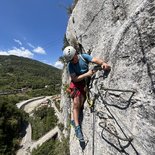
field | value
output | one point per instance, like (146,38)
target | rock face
(65,102)
(122,32)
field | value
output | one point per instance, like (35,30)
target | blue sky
(33,28)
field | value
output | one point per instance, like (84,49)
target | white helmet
(69,53)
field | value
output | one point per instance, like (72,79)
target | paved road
(28,108)
(46,137)
(24,103)
(26,142)
(27,145)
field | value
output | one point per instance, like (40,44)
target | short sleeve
(87,57)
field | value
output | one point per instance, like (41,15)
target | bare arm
(98,61)
(82,76)
(101,62)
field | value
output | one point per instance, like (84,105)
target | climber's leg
(76,109)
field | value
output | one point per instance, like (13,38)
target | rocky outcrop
(65,102)
(123,34)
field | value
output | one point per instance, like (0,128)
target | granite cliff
(121,32)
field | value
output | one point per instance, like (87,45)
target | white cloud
(30,45)
(18,41)
(39,50)
(19,52)
(4,53)
(58,64)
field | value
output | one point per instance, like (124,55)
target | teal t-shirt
(81,67)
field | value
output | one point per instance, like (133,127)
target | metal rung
(121,90)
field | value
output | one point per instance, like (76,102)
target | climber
(78,69)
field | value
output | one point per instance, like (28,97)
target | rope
(93,133)
(92,107)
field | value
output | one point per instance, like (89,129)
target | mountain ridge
(18,72)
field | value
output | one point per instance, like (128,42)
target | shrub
(43,120)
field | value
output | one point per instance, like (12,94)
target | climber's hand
(105,66)
(90,72)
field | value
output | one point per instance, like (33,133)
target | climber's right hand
(90,72)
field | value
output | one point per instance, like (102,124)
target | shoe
(78,133)
(73,123)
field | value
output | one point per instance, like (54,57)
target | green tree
(11,120)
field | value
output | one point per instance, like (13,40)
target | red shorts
(77,89)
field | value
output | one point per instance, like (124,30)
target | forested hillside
(18,72)
(20,79)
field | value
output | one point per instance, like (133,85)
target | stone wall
(122,32)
